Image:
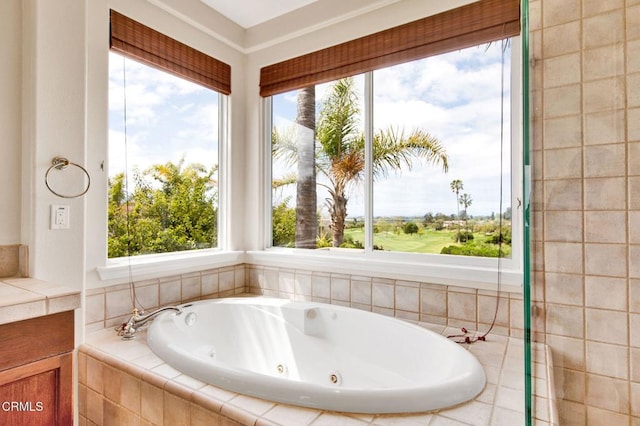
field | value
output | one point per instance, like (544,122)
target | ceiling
(248,13)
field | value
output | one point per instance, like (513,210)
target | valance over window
(153,48)
(477,23)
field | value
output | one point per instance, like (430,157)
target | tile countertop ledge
(24,298)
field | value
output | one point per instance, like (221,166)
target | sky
(456,97)
(167,118)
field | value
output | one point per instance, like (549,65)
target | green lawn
(429,242)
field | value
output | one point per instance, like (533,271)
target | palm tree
(306,196)
(456,187)
(340,150)
(465,202)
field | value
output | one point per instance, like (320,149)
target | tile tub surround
(124,382)
(433,303)
(14,261)
(111,306)
(24,298)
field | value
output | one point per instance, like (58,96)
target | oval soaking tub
(316,355)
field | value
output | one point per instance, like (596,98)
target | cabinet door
(39,393)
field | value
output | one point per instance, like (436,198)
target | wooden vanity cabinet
(36,371)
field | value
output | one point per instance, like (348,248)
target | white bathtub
(316,355)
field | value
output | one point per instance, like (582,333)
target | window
(428,178)
(163,161)
(166,101)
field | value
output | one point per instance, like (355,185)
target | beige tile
(606,292)
(569,384)
(433,302)
(94,407)
(563,226)
(605,194)
(563,132)
(635,402)
(562,70)
(170,292)
(633,22)
(200,416)
(604,95)
(383,295)
(598,416)
(606,326)
(462,306)
(563,257)
(604,29)
(303,283)
(565,321)
(320,286)
(634,193)
(633,94)
(111,380)
(634,330)
(561,39)
(571,413)
(568,353)
(603,62)
(565,194)
(191,287)
(407,298)
(227,280)
(556,12)
(176,410)
(563,163)
(9,260)
(94,374)
(606,259)
(634,295)
(361,292)
(604,127)
(633,59)
(605,160)
(283,414)
(562,101)
(607,360)
(606,227)
(340,289)
(209,283)
(565,289)
(130,395)
(594,7)
(633,124)
(607,393)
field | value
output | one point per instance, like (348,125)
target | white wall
(10,119)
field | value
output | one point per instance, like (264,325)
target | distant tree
(428,218)
(284,225)
(465,202)
(410,228)
(456,187)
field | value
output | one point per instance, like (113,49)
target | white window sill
(478,273)
(158,265)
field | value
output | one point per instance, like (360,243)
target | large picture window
(166,101)
(440,155)
(426,179)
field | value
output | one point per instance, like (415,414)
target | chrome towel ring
(61,163)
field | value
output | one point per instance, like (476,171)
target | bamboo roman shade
(147,45)
(470,25)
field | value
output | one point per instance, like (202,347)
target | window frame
(463,271)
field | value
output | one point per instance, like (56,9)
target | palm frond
(393,150)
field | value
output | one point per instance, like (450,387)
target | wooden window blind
(470,25)
(153,48)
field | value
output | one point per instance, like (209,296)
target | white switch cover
(59,216)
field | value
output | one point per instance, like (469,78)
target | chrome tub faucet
(128,329)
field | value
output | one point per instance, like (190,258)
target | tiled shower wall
(585,64)
(437,304)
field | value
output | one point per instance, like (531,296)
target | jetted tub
(316,355)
